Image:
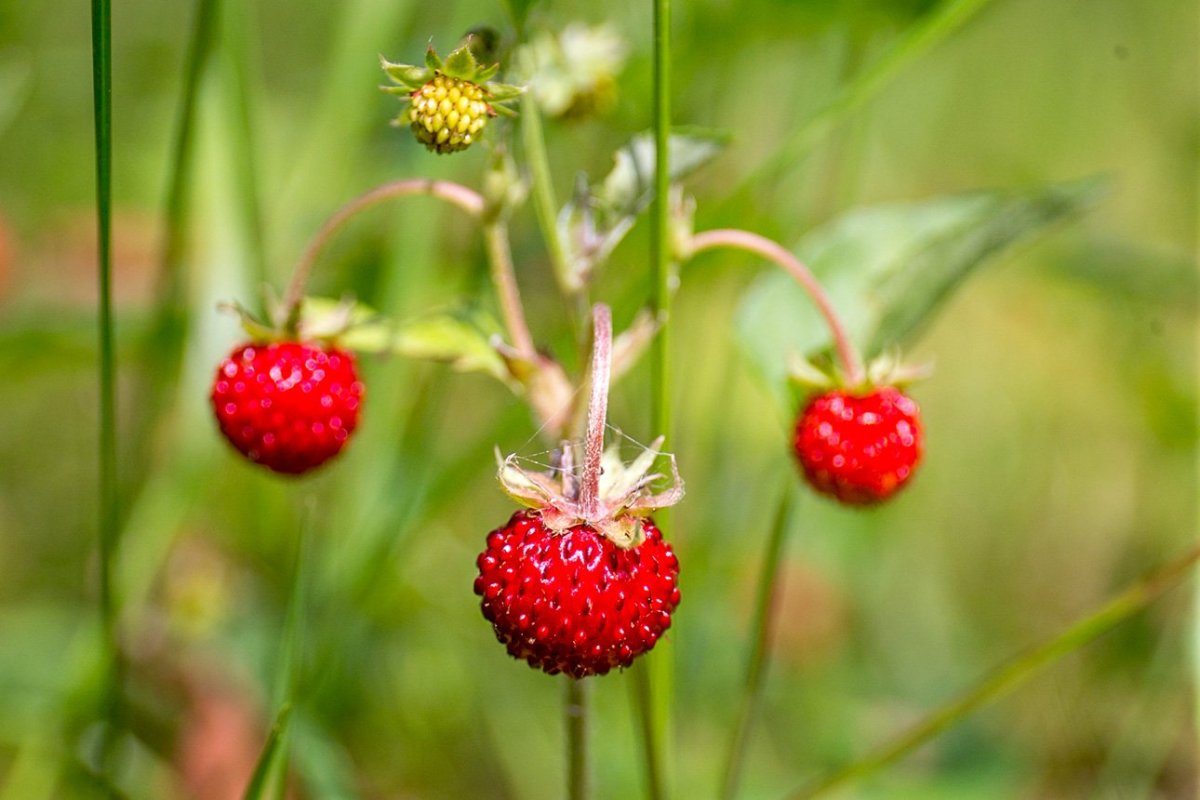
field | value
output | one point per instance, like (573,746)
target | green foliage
(889,269)
(1062,443)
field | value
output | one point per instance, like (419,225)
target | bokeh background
(1061,428)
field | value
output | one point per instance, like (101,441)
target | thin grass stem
(765,607)
(1010,675)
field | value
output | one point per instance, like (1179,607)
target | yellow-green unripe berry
(448,114)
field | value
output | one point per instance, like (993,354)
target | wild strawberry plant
(583,581)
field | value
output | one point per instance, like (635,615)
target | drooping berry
(288,406)
(449,114)
(573,601)
(860,448)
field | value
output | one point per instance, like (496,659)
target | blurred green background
(1061,428)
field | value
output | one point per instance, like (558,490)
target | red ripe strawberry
(288,406)
(859,447)
(575,601)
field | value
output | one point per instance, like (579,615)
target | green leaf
(888,269)
(461,338)
(598,217)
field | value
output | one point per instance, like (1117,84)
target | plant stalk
(1012,674)
(766,606)
(109,510)
(575,708)
(852,365)
(597,410)
(653,679)
(545,205)
(504,278)
(456,194)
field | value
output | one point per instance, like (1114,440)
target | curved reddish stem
(466,199)
(597,413)
(852,364)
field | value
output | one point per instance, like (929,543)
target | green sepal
(255,328)
(809,376)
(487,73)
(432,60)
(399,91)
(407,75)
(503,92)
(503,111)
(461,64)
(326,319)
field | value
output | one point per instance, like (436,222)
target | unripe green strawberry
(451,101)
(448,114)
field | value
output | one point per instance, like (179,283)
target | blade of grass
(765,606)
(920,38)
(1012,674)
(265,767)
(109,511)
(172,309)
(161,344)
(653,680)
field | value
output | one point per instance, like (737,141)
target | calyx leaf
(626,490)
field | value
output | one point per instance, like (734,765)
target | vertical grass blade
(238,92)
(171,286)
(109,512)
(766,604)
(1011,675)
(162,346)
(265,768)
(270,773)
